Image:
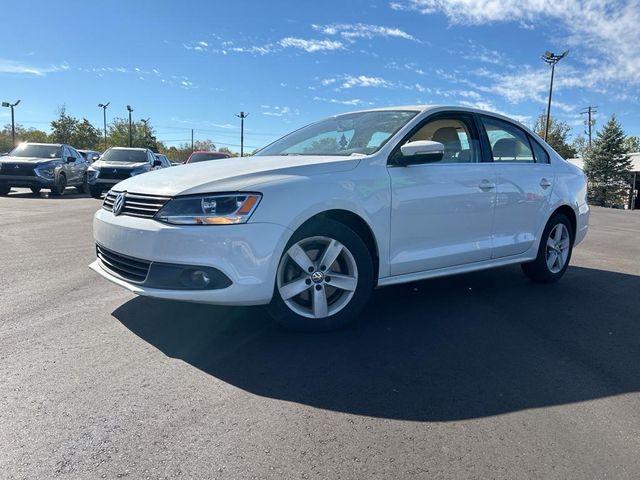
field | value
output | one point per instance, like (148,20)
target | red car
(202,156)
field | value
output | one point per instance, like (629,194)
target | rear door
(442,212)
(524,185)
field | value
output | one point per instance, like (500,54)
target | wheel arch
(570,213)
(356,223)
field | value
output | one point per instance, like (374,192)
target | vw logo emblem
(118,203)
(317,277)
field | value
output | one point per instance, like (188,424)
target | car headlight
(139,170)
(92,173)
(210,209)
(47,170)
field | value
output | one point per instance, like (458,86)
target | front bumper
(247,254)
(27,181)
(104,183)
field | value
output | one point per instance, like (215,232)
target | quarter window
(540,153)
(508,143)
(459,145)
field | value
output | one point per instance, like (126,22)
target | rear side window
(508,143)
(539,153)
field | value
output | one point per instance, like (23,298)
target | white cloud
(350,81)
(277,111)
(11,66)
(310,45)
(352,102)
(362,30)
(606,28)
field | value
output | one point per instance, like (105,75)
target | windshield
(39,151)
(353,133)
(201,157)
(124,155)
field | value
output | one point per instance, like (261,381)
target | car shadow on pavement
(446,349)
(70,194)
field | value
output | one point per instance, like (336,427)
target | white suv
(316,220)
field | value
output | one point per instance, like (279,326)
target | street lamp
(104,106)
(242,116)
(551,59)
(129,109)
(13,122)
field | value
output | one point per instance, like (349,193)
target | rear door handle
(544,183)
(486,185)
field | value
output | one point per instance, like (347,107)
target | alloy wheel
(558,244)
(317,277)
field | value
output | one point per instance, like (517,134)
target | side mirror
(95,157)
(157,163)
(71,159)
(421,151)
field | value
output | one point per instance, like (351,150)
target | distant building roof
(635,162)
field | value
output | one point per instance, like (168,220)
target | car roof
(46,144)
(129,148)
(207,151)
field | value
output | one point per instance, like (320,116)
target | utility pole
(551,59)
(242,116)
(192,140)
(13,120)
(104,106)
(130,110)
(145,122)
(589,111)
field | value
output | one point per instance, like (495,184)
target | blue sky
(194,64)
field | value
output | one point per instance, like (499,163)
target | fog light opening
(199,278)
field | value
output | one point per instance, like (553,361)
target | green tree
(580,145)
(607,166)
(22,135)
(142,135)
(558,136)
(182,151)
(632,144)
(77,133)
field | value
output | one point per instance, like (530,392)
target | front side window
(361,133)
(508,143)
(460,146)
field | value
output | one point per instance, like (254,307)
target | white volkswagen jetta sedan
(316,220)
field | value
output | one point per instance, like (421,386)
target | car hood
(233,174)
(107,164)
(31,160)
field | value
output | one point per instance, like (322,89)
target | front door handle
(544,183)
(486,185)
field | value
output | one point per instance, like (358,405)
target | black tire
(95,192)
(348,305)
(539,270)
(58,190)
(4,190)
(36,190)
(84,186)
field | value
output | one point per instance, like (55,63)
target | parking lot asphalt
(482,375)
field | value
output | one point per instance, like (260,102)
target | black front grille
(115,173)
(135,204)
(17,169)
(128,268)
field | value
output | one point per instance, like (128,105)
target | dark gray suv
(43,165)
(120,163)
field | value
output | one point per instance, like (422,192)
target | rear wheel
(58,190)
(324,278)
(554,251)
(5,189)
(36,190)
(95,192)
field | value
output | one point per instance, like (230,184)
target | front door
(442,212)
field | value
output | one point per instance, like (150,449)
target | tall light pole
(145,122)
(551,59)
(242,116)
(13,120)
(130,110)
(104,106)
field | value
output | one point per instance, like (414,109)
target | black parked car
(120,163)
(43,165)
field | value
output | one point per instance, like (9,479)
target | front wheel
(84,186)
(324,278)
(58,190)
(554,251)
